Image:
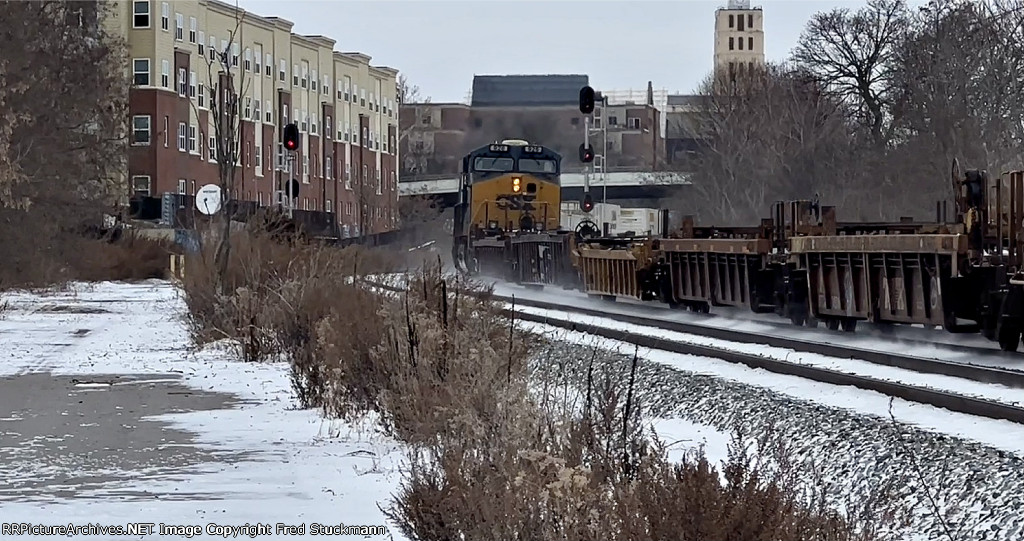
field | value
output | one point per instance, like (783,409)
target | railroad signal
(290,137)
(586,153)
(588,203)
(587,100)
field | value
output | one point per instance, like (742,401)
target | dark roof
(520,90)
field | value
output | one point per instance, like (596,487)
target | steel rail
(934,397)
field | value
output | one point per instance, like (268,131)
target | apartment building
(346,110)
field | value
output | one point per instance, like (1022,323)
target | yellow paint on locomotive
(489,201)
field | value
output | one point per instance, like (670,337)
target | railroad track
(934,397)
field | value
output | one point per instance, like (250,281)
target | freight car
(963,275)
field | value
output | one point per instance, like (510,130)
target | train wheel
(811,322)
(849,325)
(796,319)
(832,324)
(1009,338)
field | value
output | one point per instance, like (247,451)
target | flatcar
(964,275)
(506,221)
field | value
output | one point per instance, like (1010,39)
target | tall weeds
(498,448)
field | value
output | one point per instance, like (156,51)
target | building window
(140,67)
(141,185)
(259,160)
(212,149)
(201,95)
(312,124)
(313,81)
(182,186)
(192,30)
(269,65)
(182,129)
(284,114)
(256,116)
(327,86)
(140,18)
(191,138)
(165,16)
(328,206)
(258,58)
(750,20)
(295,75)
(328,170)
(234,54)
(282,70)
(212,49)
(141,131)
(741,43)
(750,43)
(732,21)
(192,84)
(182,82)
(165,74)
(732,43)
(248,59)
(328,124)
(179,27)
(201,42)
(269,113)
(247,114)
(740,25)
(380,185)
(167,123)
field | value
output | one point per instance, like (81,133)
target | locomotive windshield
(489,164)
(535,165)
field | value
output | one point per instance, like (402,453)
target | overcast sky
(620,44)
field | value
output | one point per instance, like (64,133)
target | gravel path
(980,489)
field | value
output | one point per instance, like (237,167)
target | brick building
(346,110)
(540,108)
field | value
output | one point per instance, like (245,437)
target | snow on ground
(987,391)
(973,466)
(297,468)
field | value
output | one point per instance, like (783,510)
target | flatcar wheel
(703,308)
(1009,338)
(849,325)
(797,319)
(812,322)
(832,324)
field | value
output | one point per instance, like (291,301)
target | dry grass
(492,457)
(52,258)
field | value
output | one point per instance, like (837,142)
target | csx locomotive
(508,214)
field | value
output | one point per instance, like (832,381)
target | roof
(526,90)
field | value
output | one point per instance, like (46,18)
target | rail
(933,397)
(571,169)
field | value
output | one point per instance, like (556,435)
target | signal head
(586,153)
(587,100)
(290,136)
(588,204)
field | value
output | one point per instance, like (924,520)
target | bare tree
(413,106)
(853,55)
(63,126)
(228,86)
(766,136)
(961,75)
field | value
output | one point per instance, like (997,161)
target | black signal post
(290,141)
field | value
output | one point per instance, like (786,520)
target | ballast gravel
(978,489)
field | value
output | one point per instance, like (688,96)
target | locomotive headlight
(515,184)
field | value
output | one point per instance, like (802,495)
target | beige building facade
(346,110)
(739,38)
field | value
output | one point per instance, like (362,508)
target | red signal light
(290,137)
(588,204)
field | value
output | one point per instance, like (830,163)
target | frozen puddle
(69,436)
